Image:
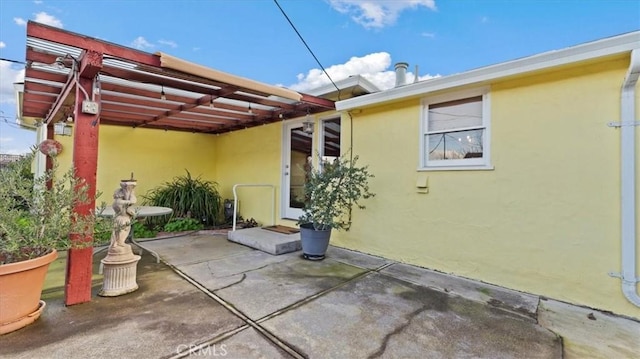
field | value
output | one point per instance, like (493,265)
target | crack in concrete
(385,341)
(244,276)
(250,270)
(292,351)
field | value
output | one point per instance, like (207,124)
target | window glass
(455,133)
(455,145)
(455,114)
(330,139)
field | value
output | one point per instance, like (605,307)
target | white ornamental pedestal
(119,272)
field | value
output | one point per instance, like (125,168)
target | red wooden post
(85,161)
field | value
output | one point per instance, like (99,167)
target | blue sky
(251,38)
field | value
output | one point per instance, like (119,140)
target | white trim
(465,164)
(285,210)
(320,148)
(456,168)
(351,81)
(592,50)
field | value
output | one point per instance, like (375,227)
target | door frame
(287,212)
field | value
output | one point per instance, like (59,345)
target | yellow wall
(544,221)
(252,156)
(154,156)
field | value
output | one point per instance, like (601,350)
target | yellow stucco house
(517,174)
(521,174)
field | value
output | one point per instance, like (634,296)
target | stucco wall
(251,156)
(545,220)
(154,157)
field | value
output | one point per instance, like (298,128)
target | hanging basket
(50,148)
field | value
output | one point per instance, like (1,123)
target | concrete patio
(211,297)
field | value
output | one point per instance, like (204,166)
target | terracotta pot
(21,285)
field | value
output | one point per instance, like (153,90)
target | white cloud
(2,45)
(6,139)
(9,76)
(484,20)
(374,67)
(41,17)
(169,43)
(37,2)
(141,43)
(378,13)
(430,35)
(44,18)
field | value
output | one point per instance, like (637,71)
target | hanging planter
(50,147)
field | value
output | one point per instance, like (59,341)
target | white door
(297,153)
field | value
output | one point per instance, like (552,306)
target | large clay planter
(20,289)
(314,242)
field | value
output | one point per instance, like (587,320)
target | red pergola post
(85,161)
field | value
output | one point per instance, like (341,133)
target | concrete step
(266,241)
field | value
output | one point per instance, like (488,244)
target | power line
(307,46)
(13,61)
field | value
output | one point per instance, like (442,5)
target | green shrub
(189,198)
(35,219)
(182,224)
(142,230)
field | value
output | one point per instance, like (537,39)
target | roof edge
(591,50)
(351,81)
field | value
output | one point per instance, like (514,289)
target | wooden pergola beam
(64,37)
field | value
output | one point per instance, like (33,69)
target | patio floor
(221,299)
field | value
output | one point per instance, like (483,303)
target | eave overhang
(581,53)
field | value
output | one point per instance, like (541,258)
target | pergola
(95,82)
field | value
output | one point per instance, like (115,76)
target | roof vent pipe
(416,77)
(401,73)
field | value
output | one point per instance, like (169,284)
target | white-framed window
(455,131)
(330,133)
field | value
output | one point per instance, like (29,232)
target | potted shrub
(330,192)
(35,222)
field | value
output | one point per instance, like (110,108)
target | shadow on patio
(222,299)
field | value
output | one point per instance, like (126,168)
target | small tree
(35,220)
(331,192)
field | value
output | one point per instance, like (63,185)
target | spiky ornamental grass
(189,198)
(35,220)
(331,192)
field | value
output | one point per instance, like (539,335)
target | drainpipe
(628,180)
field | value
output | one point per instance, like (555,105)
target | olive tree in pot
(331,191)
(35,223)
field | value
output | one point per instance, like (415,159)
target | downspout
(628,179)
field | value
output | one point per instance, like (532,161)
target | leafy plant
(102,229)
(331,192)
(189,198)
(142,230)
(35,220)
(182,224)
